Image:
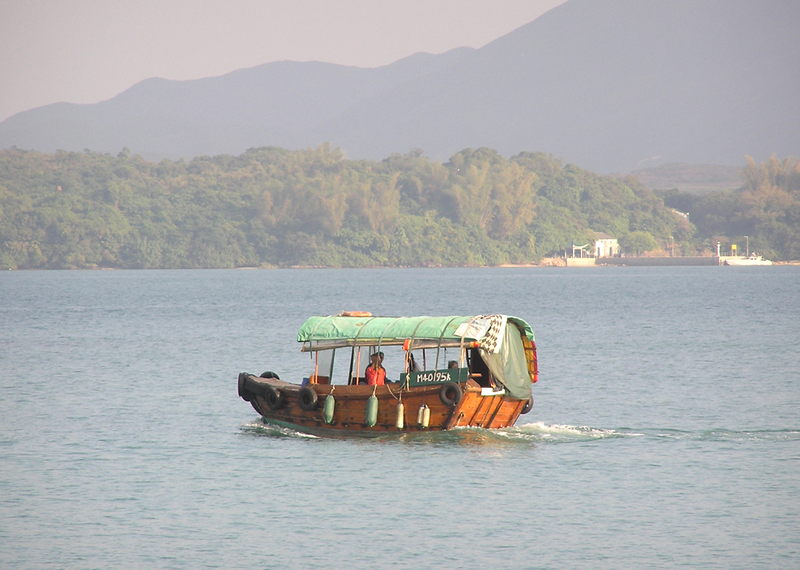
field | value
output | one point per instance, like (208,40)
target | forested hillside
(313,207)
(274,207)
(766,210)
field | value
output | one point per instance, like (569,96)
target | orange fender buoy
(356,314)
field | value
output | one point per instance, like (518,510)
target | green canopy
(346,331)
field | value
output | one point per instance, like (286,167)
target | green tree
(638,242)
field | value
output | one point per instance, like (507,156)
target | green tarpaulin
(393,329)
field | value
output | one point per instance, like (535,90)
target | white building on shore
(606,246)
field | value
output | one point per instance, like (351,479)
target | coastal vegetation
(314,207)
(763,215)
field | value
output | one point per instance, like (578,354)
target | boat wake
(559,433)
(723,435)
(259,428)
(538,433)
(526,433)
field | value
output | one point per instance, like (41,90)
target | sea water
(665,433)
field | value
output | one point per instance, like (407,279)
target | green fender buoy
(372,411)
(327,410)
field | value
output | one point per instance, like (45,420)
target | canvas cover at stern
(508,365)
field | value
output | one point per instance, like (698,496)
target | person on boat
(413,365)
(375,372)
(452,364)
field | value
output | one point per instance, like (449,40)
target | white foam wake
(563,433)
(258,427)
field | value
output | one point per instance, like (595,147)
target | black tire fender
(307,398)
(269,374)
(450,394)
(528,406)
(244,393)
(274,398)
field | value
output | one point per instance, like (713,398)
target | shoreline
(548,263)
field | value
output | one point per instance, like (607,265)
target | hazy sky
(84,51)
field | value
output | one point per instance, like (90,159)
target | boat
(451,372)
(752,259)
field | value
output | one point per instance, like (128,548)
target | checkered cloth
(490,342)
(486,329)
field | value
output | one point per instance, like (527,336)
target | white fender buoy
(424,416)
(401,410)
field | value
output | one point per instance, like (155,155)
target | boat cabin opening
(349,365)
(493,351)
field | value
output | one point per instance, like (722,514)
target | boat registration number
(433,376)
(427,377)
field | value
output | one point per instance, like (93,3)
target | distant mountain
(611,85)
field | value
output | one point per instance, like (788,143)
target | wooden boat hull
(475,407)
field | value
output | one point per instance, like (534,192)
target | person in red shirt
(375,372)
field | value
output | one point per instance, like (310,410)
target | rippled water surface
(666,430)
